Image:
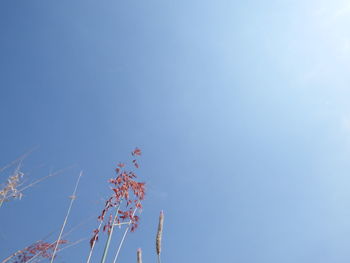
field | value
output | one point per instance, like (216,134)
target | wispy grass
(14,187)
(10,189)
(18,160)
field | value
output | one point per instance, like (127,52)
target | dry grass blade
(67,215)
(159,235)
(93,244)
(44,178)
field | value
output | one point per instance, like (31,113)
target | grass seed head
(159,233)
(139,255)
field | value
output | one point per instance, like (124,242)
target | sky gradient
(241,110)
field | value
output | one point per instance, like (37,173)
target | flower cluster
(40,250)
(126,198)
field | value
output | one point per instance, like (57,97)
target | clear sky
(241,109)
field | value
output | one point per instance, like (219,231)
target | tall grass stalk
(67,215)
(93,245)
(108,242)
(123,238)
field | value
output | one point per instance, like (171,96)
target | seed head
(159,233)
(139,255)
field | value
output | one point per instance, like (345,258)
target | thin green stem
(108,242)
(123,238)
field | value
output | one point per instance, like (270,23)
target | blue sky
(241,110)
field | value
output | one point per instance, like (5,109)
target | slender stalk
(66,218)
(123,238)
(108,242)
(93,245)
(72,244)
(43,178)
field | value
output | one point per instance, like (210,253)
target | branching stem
(105,252)
(123,238)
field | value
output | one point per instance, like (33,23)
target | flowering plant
(127,194)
